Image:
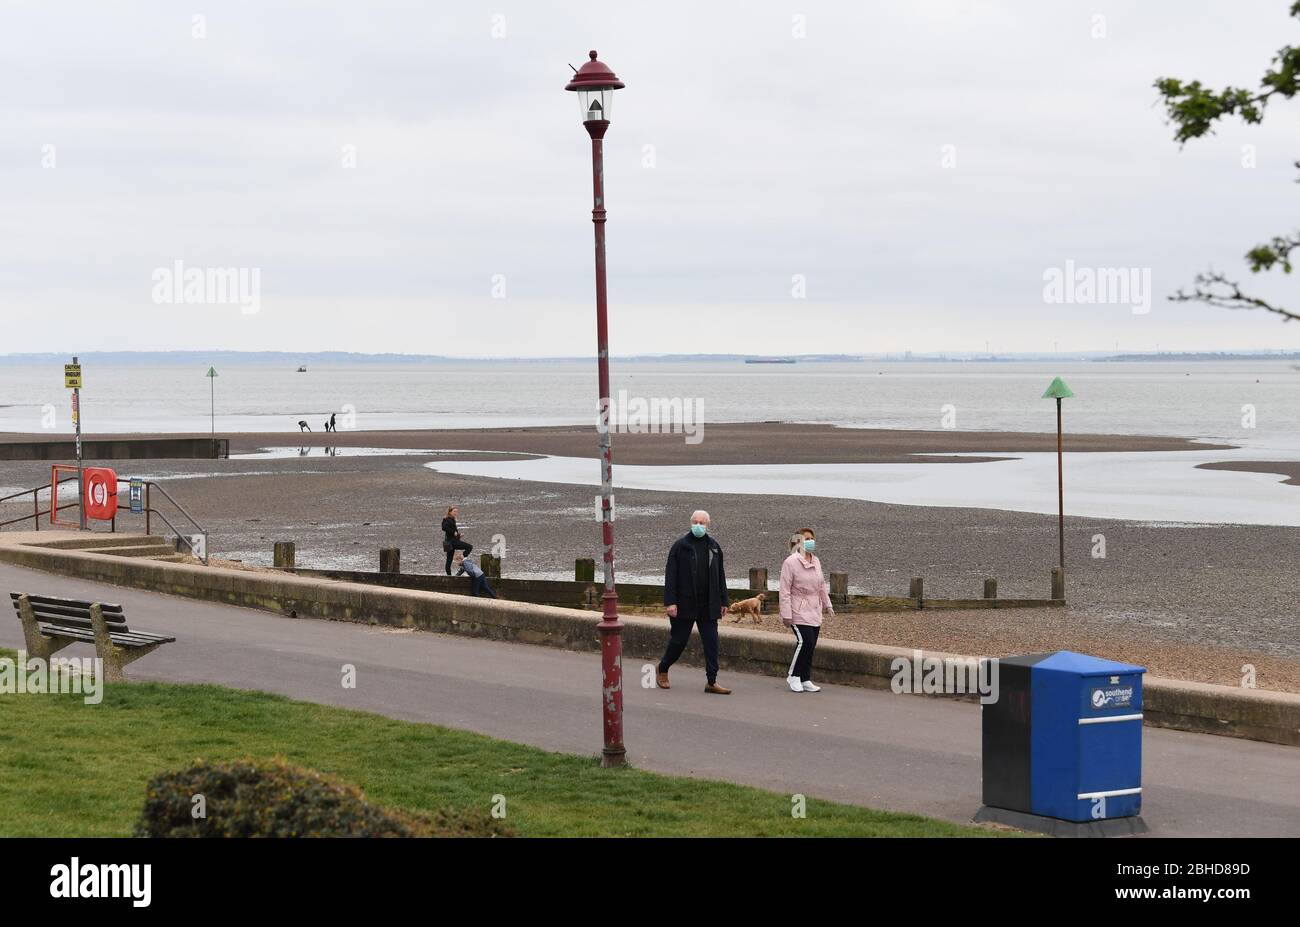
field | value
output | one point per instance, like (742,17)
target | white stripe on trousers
(797,647)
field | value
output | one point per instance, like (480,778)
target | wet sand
(728,443)
(1289,470)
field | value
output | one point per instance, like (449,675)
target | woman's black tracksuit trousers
(805,637)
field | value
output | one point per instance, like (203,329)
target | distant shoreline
(293,360)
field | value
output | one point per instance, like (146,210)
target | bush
(252,798)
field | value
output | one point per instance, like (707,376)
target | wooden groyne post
(285,555)
(758,583)
(1058,583)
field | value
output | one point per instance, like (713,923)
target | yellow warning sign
(72,376)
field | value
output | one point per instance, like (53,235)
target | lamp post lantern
(1058,391)
(595,84)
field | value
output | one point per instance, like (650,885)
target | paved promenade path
(902,753)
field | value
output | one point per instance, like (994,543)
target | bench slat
(42,610)
(68,603)
(132,639)
(70,608)
(150,637)
(119,626)
(61,608)
(70,613)
(78,622)
(140,638)
(65,612)
(76,634)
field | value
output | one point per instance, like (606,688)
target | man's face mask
(699,530)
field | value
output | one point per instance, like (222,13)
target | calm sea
(1251,402)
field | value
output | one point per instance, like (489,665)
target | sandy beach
(1289,469)
(1196,601)
(724,443)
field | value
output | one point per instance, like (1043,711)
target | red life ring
(100,494)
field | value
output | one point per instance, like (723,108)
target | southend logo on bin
(1112,697)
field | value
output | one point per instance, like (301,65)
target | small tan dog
(752,607)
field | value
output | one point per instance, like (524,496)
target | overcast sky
(755,142)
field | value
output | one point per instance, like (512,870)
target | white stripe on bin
(1112,792)
(1137,717)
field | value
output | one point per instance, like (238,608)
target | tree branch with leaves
(1194,109)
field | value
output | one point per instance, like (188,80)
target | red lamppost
(595,84)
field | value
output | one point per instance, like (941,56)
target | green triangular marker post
(1058,390)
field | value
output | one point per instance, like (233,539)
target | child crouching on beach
(478,581)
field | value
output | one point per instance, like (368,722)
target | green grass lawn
(70,769)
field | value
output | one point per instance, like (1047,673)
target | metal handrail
(37,511)
(180,537)
(37,515)
(149,511)
(150,484)
(24,492)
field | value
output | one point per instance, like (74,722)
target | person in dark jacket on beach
(451,541)
(695,593)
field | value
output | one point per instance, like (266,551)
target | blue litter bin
(1062,745)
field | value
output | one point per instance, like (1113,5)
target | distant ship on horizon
(769,360)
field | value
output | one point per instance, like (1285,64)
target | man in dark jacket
(695,592)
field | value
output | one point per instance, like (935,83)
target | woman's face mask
(809,544)
(699,530)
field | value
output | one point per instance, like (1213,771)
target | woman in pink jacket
(803,600)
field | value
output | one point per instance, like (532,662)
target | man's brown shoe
(661,680)
(716,689)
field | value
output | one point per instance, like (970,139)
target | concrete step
(92,541)
(144,550)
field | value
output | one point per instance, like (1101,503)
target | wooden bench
(50,624)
